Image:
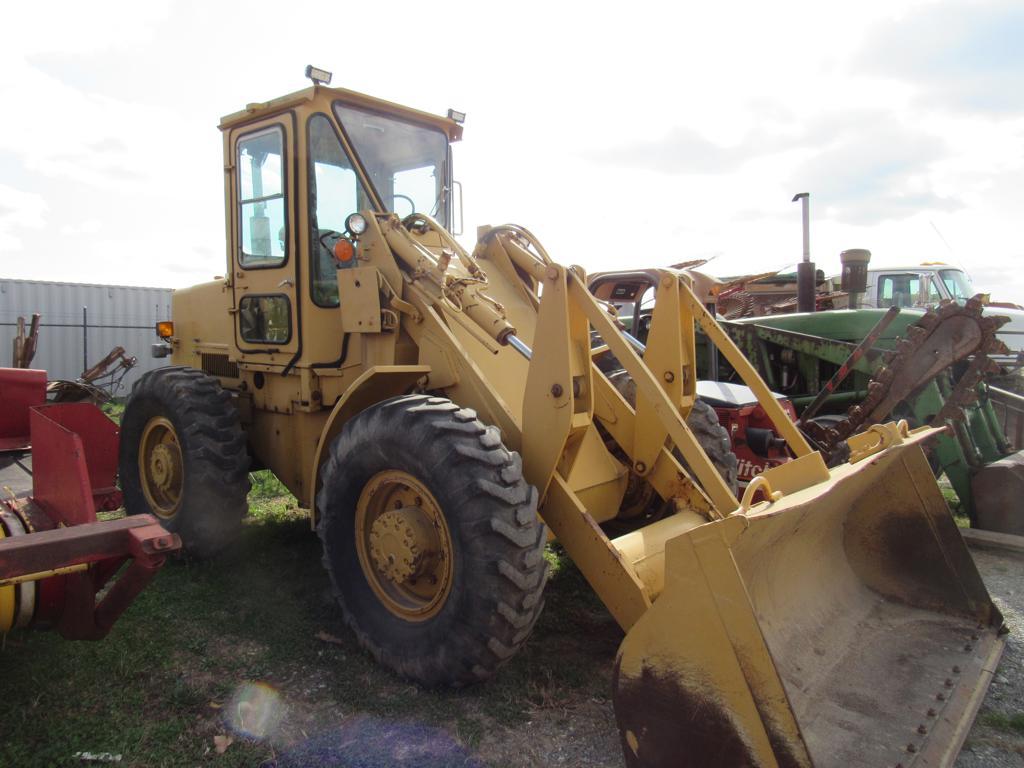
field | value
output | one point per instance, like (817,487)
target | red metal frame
(20,389)
(75,449)
(74,461)
(737,420)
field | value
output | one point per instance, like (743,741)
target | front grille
(219,365)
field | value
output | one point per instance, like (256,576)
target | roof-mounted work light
(318,76)
(458,117)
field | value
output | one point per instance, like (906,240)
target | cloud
(682,150)
(18,210)
(964,56)
(877,169)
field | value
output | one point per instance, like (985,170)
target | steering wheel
(412,204)
(325,233)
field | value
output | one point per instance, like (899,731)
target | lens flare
(255,711)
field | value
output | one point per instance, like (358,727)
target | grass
(953,502)
(999,721)
(158,689)
(114,408)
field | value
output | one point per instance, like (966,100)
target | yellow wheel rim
(404,546)
(6,601)
(161,467)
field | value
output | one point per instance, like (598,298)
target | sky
(621,134)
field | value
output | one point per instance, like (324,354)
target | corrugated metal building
(81,323)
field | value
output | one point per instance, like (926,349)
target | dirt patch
(580,734)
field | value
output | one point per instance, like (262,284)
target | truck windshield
(957,283)
(406,162)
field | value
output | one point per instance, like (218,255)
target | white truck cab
(925,285)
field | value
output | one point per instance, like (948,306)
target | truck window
(334,193)
(957,283)
(898,290)
(261,199)
(907,290)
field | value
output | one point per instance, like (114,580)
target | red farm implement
(60,567)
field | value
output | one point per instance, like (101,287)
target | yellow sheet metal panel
(359,297)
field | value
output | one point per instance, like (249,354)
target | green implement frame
(797,354)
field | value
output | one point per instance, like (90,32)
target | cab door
(264,241)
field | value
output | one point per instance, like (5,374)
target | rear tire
(715,440)
(489,585)
(183,458)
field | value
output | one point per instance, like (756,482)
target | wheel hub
(404,546)
(161,467)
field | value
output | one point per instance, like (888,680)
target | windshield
(407,163)
(957,283)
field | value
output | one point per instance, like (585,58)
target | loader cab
(296,169)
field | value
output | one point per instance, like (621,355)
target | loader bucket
(841,625)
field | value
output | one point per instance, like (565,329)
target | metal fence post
(85,338)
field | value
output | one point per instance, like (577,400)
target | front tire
(431,540)
(183,458)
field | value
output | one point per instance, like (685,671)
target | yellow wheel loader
(439,412)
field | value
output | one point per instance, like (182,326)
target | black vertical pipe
(805,286)
(805,269)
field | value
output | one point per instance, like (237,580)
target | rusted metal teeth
(899,357)
(916,334)
(998,347)
(993,323)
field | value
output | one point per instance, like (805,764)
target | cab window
(261,199)
(407,162)
(334,194)
(265,319)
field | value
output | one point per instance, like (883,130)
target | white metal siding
(116,315)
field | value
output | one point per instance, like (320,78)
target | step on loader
(439,412)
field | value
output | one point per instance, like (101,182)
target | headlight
(355,224)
